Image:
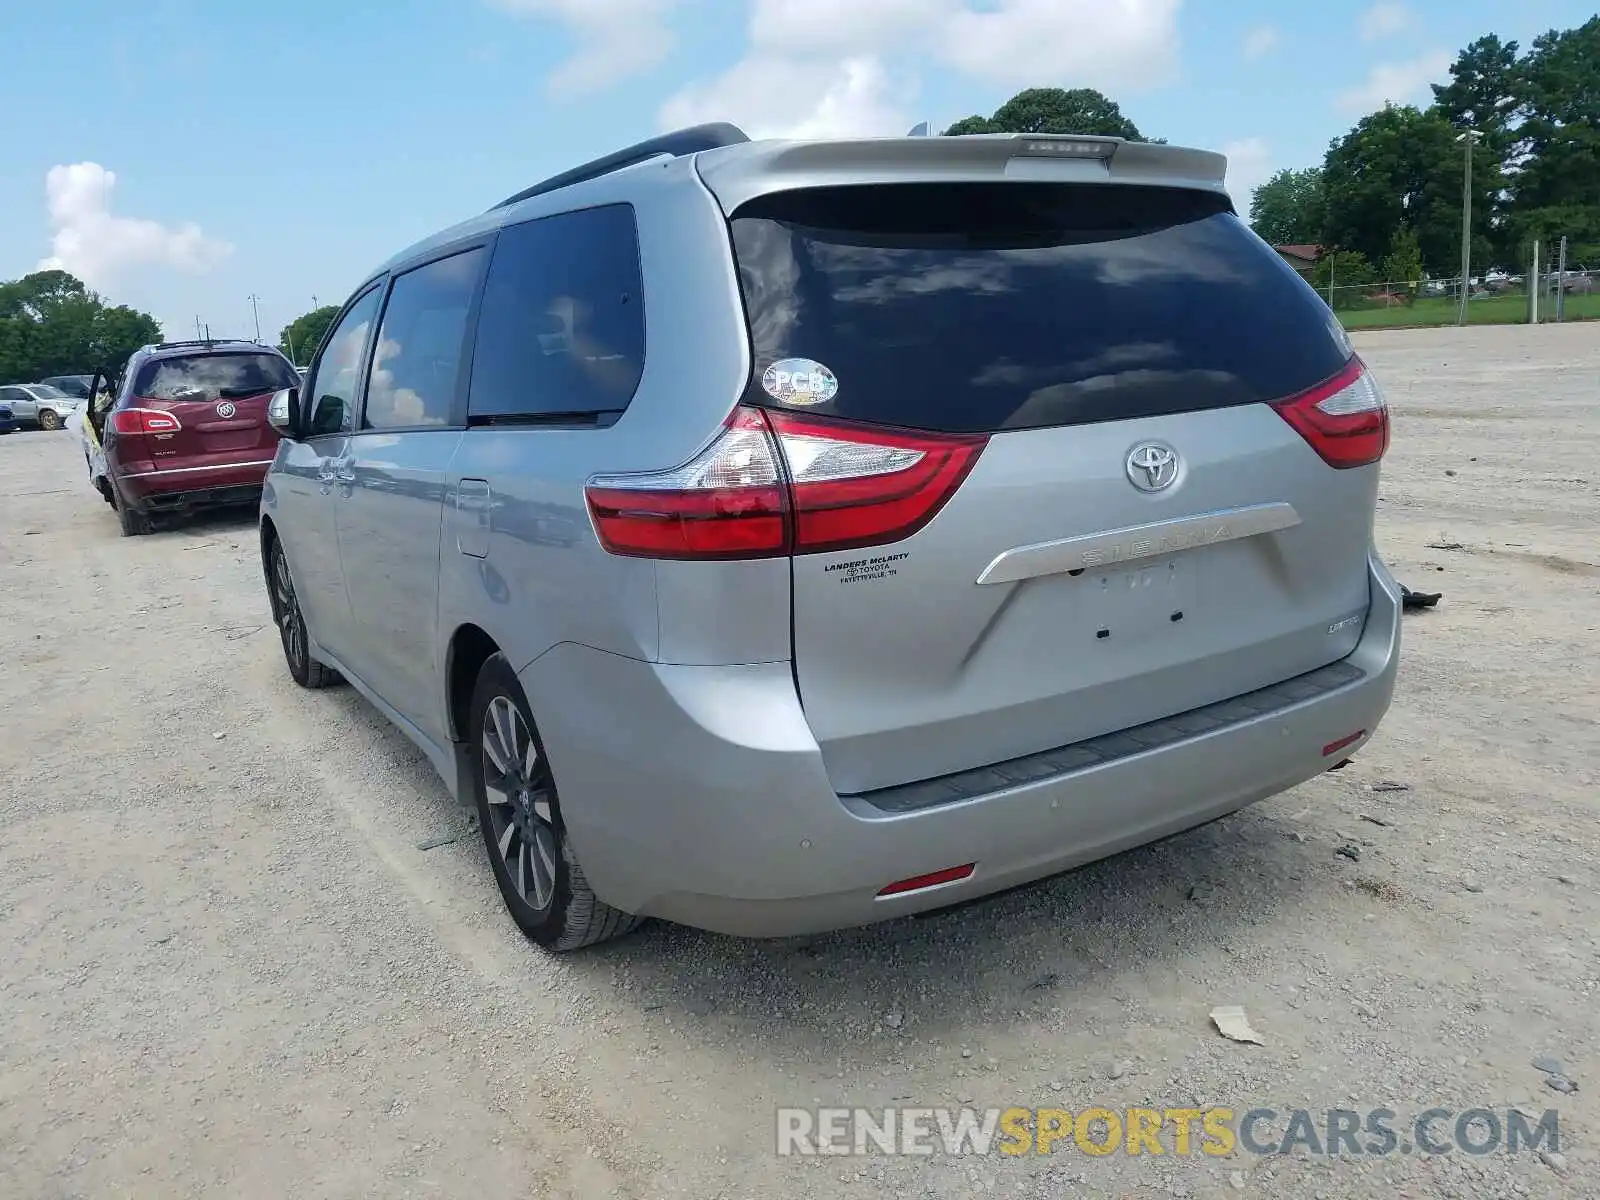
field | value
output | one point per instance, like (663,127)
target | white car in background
(39,404)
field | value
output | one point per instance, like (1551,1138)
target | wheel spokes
(521,808)
(498,746)
(543,862)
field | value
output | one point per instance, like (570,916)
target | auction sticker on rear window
(799,381)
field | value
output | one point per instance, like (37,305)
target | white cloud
(1384,19)
(1118,46)
(1260,41)
(856,97)
(96,245)
(1249,166)
(616,38)
(845,26)
(1395,83)
(816,68)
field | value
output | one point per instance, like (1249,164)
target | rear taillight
(144,420)
(1344,418)
(777,483)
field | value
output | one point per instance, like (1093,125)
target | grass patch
(1442,310)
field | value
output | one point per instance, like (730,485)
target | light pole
(256,313)
(1469,139)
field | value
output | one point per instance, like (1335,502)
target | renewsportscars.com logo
(1180,1132)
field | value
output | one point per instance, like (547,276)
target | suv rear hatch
(205,409)
(1050,461)
(1142,533)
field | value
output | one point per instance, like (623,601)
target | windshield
(43,391)
(207,377)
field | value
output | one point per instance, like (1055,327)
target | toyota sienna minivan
(778,536)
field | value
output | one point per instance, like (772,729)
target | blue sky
(182,155)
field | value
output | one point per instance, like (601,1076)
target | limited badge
(799,381)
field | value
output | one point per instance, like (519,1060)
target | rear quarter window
(208,377)
(987,307)
(561,329)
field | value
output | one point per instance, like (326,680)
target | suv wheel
(291,623)
(49,419)
(134,523)
(540,879)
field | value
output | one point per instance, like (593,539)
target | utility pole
(197,336)
(256,313)
(1469,139)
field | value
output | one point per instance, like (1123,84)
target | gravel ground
(230,968)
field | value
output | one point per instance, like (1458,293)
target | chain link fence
(1494,299)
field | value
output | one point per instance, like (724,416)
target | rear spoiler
(738,174)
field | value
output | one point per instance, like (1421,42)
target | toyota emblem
(1152,466)
(226,409)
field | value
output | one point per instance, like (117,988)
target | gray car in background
(39,404)
(780,536)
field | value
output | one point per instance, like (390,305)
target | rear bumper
(698,794)
(150,487)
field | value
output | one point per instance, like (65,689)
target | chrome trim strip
(1134,542)
(264,462)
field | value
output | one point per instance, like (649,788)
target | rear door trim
(1133,542)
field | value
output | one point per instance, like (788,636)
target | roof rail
(673,145)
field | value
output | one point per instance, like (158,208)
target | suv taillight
(776,483)
(1344,418)
(144,420)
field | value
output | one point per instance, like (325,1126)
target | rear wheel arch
(470,648)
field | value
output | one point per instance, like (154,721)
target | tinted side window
(562,325)
(418,356)
(338,371)
(982,307)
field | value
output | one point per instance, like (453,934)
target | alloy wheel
(518,789)
(291,625)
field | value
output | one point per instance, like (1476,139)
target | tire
(291,622)
(49,419)
(543,886)
(133,522)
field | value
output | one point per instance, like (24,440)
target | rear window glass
(213,377)
(985,307)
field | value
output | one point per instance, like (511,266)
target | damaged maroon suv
(185,429)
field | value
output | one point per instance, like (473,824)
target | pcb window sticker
(799,381)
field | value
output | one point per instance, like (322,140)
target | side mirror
(283,411)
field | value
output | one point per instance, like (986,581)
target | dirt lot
(229,968)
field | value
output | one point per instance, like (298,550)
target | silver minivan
(780,536)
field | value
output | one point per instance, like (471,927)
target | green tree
(1347,272)
(1404,264)
(1054,110)
(1399,168)
(1484,95)
(1557,188)
(50,324)
(972,124)
(301,337)
(1286,210)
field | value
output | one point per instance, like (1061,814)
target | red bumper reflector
(918,882)
(1335,747)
